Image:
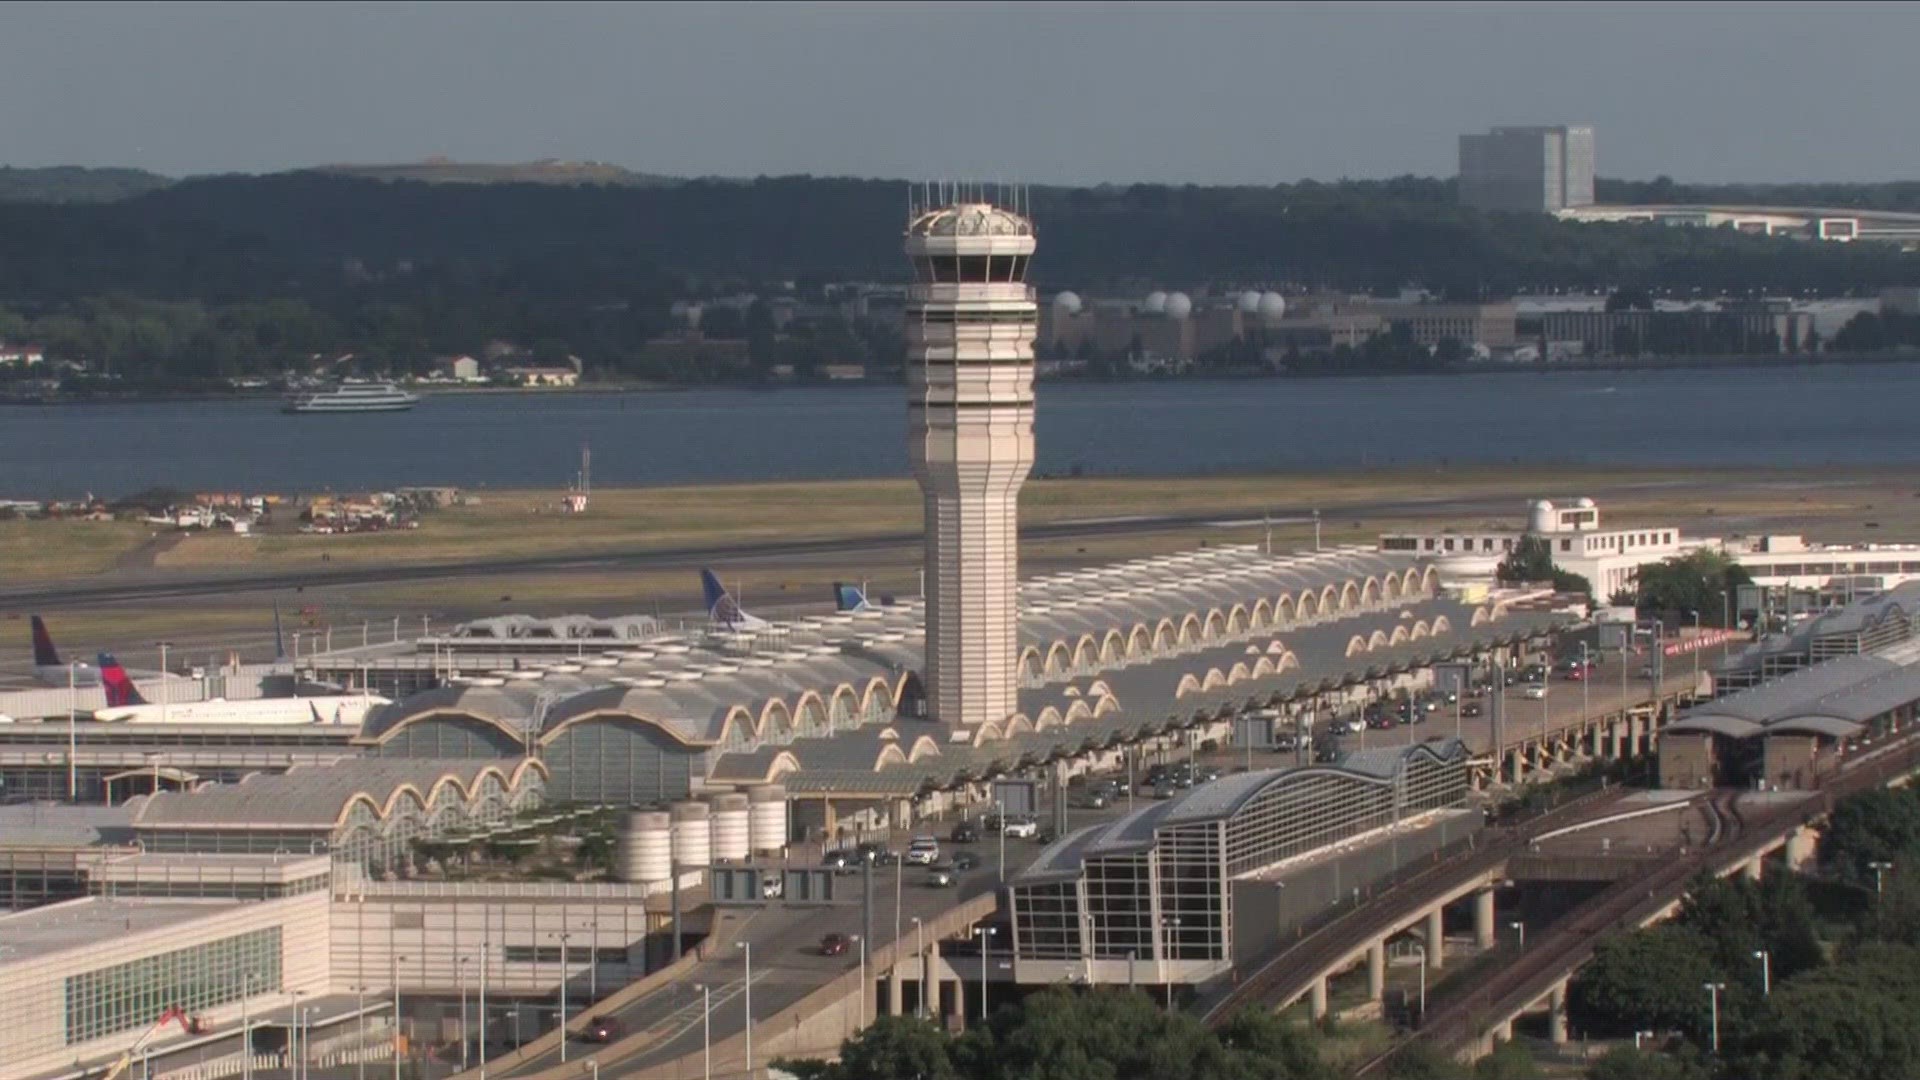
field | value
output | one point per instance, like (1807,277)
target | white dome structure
(1156,303)
(1179,305)
(1249,302)
(1067,303)
(1273,307)
(1540,516)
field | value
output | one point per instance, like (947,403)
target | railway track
(1464,860)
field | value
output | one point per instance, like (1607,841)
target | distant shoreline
(1474,367)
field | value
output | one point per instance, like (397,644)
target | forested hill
(318,236)
(75,183)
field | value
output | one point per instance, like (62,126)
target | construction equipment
(187,1024)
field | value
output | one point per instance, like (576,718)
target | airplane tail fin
(118,684)
(849,597)
(44,654)
(722,608)
(279,642)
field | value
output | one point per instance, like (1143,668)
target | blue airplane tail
(849,597)
(722,608)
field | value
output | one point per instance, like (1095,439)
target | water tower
(970,325)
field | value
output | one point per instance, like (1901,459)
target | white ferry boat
(353,397)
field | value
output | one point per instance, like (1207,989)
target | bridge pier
(1436,938)
(1483,919)
(1802,844)
(896,992)
(1377,970)
(1754,869)
(1518,768)
(1557,1014)
(1317,998)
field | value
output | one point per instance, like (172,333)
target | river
(1788,415)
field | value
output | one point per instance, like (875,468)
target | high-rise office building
(971,320)
(1527,169)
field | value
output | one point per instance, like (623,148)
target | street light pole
(73,744)
(460,975)
(1713,993)
(747,946)
(920,950)
(563,936)
(396,958)
(1879,869)
(1586,688)
(1423,979)
(1522,928)
(866,991)
(983,933)
(486,952)
(1696,645)
(706,1032)
(1766,972)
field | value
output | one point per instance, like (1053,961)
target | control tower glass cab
(970,326)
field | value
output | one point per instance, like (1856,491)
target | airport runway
(130,586)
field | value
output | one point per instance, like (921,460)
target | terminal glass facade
(1169,896)
(133,995)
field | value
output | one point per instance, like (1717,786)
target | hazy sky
(1043,92)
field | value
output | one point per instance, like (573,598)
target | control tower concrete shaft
(971,322)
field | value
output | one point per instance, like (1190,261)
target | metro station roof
(1836,698)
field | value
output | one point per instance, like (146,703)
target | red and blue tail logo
(44,654)
(119,686)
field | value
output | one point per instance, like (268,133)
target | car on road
(966,860)
(1535,692)
(940,879)
(876,853)
(601,1029)
(839,861)
(1094,800)
(1023,828)
(924,851)
(1470,708)
(964,832)
(772,887)
(834,945)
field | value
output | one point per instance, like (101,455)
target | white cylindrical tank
(1249,302)
(1156,303)
(1273,307)
(1067,303)
(767,810)
(1540,516)
(692,834)
(732,829)
(1179,305)
(644,850)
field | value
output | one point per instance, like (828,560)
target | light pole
(920,950)
(460,975)
(1167,925)
(73,743)
(747,947)
(1713,993)
(1423,979)
(593,1066)
(1879,868)
(983,933)
(166,694)
(865,990)
(246,1020)
(563,936)
(1696,645)
(1638,1035)
(706,1032)
(1522,928)
(1586,688)
(486,951)
(396,1014)
(1766,972)
(360,1027)
(1000,815)
(306,1041)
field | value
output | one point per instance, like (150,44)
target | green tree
(1882,825)
(1648,979)
(1700,581)
(1627,1063)
(1532,560)
(1742,917)
(893,1047)
(1850,1020)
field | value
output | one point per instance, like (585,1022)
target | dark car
(840,862)
(601,1029)
(834,944)
(966,860)
(964,833)
(875,853)
(940,879)
(1470,708)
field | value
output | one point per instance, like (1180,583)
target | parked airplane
(723,609)
(47,666)
(126,705)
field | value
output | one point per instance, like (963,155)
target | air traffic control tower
(971,322)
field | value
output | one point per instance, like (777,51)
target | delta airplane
(126,705)
(47,666)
